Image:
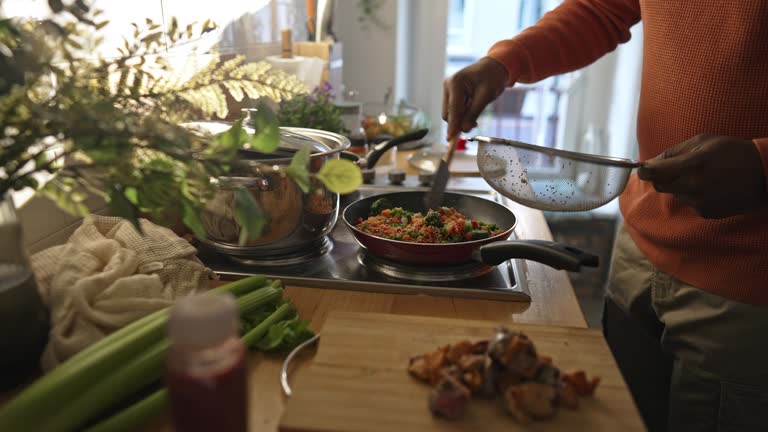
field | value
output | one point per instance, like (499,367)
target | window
(529,113)
(243,26)
(459,27)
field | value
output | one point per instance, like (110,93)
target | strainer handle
(556,255)
(583,157)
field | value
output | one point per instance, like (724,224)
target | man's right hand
(469,91)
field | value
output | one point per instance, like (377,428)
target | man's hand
(718,176)
(469,90)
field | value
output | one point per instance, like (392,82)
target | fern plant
(111,127)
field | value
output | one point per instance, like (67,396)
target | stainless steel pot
(295,220)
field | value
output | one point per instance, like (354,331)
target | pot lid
(320,143)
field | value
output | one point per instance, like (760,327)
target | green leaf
(340,176)
(298,169)
(25,182)
(59,190)
(266,137)
(229,141)
(207,26)
(191,218)
(56,5)
(132,194)
(152,37)
(249,216)
(285,335)
(122,206)
(41,159)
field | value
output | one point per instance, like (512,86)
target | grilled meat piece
(547,373)
(516,410)
(473,379)
(515,352)
(491,374)
(449,398)
(464,348)
(580,383)
(567,396)
(534,399)
(472,362)
(427,367)
(506,379)
(480,347)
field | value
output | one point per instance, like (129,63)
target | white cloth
(108,275)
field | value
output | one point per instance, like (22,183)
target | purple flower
(324,89)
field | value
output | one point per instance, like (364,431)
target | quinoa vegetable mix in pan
(444,225)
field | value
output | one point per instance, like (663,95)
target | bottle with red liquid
(206,365)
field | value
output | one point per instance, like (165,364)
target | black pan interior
(471,206)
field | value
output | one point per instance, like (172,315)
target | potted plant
(315,110)
(72,126)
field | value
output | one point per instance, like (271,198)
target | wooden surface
(358,379)
(552,302)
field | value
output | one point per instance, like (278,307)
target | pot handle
(352,157)
(556,255)
(380,149)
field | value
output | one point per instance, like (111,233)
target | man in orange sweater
(689,274)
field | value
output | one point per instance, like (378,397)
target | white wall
(370,55)
(426,60)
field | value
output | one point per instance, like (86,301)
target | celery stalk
(136,415)
(133,376)
(253,336)
(133,417)
(124,381)
(96,363)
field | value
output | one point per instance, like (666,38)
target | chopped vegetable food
(445,225)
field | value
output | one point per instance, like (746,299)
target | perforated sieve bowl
(550,179)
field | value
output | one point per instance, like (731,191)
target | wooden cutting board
(358,379)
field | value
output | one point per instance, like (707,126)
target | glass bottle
(206,365)
(24,321)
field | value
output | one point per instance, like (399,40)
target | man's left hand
(718,176)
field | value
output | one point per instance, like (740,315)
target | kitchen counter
(552,302)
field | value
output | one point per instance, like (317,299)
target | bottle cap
(203,320)
(461,144)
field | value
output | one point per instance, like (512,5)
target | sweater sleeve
(762,148)
(571,36)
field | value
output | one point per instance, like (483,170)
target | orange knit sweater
(705,70)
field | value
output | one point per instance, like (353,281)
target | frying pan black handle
(556,255)
(380,149)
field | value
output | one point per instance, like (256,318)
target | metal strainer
(550,179)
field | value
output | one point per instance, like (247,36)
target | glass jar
(352,116)
(24,321)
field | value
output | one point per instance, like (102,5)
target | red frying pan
(490,251)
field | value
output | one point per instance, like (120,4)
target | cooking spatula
(434,198)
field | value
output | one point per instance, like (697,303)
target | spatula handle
(451,150)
